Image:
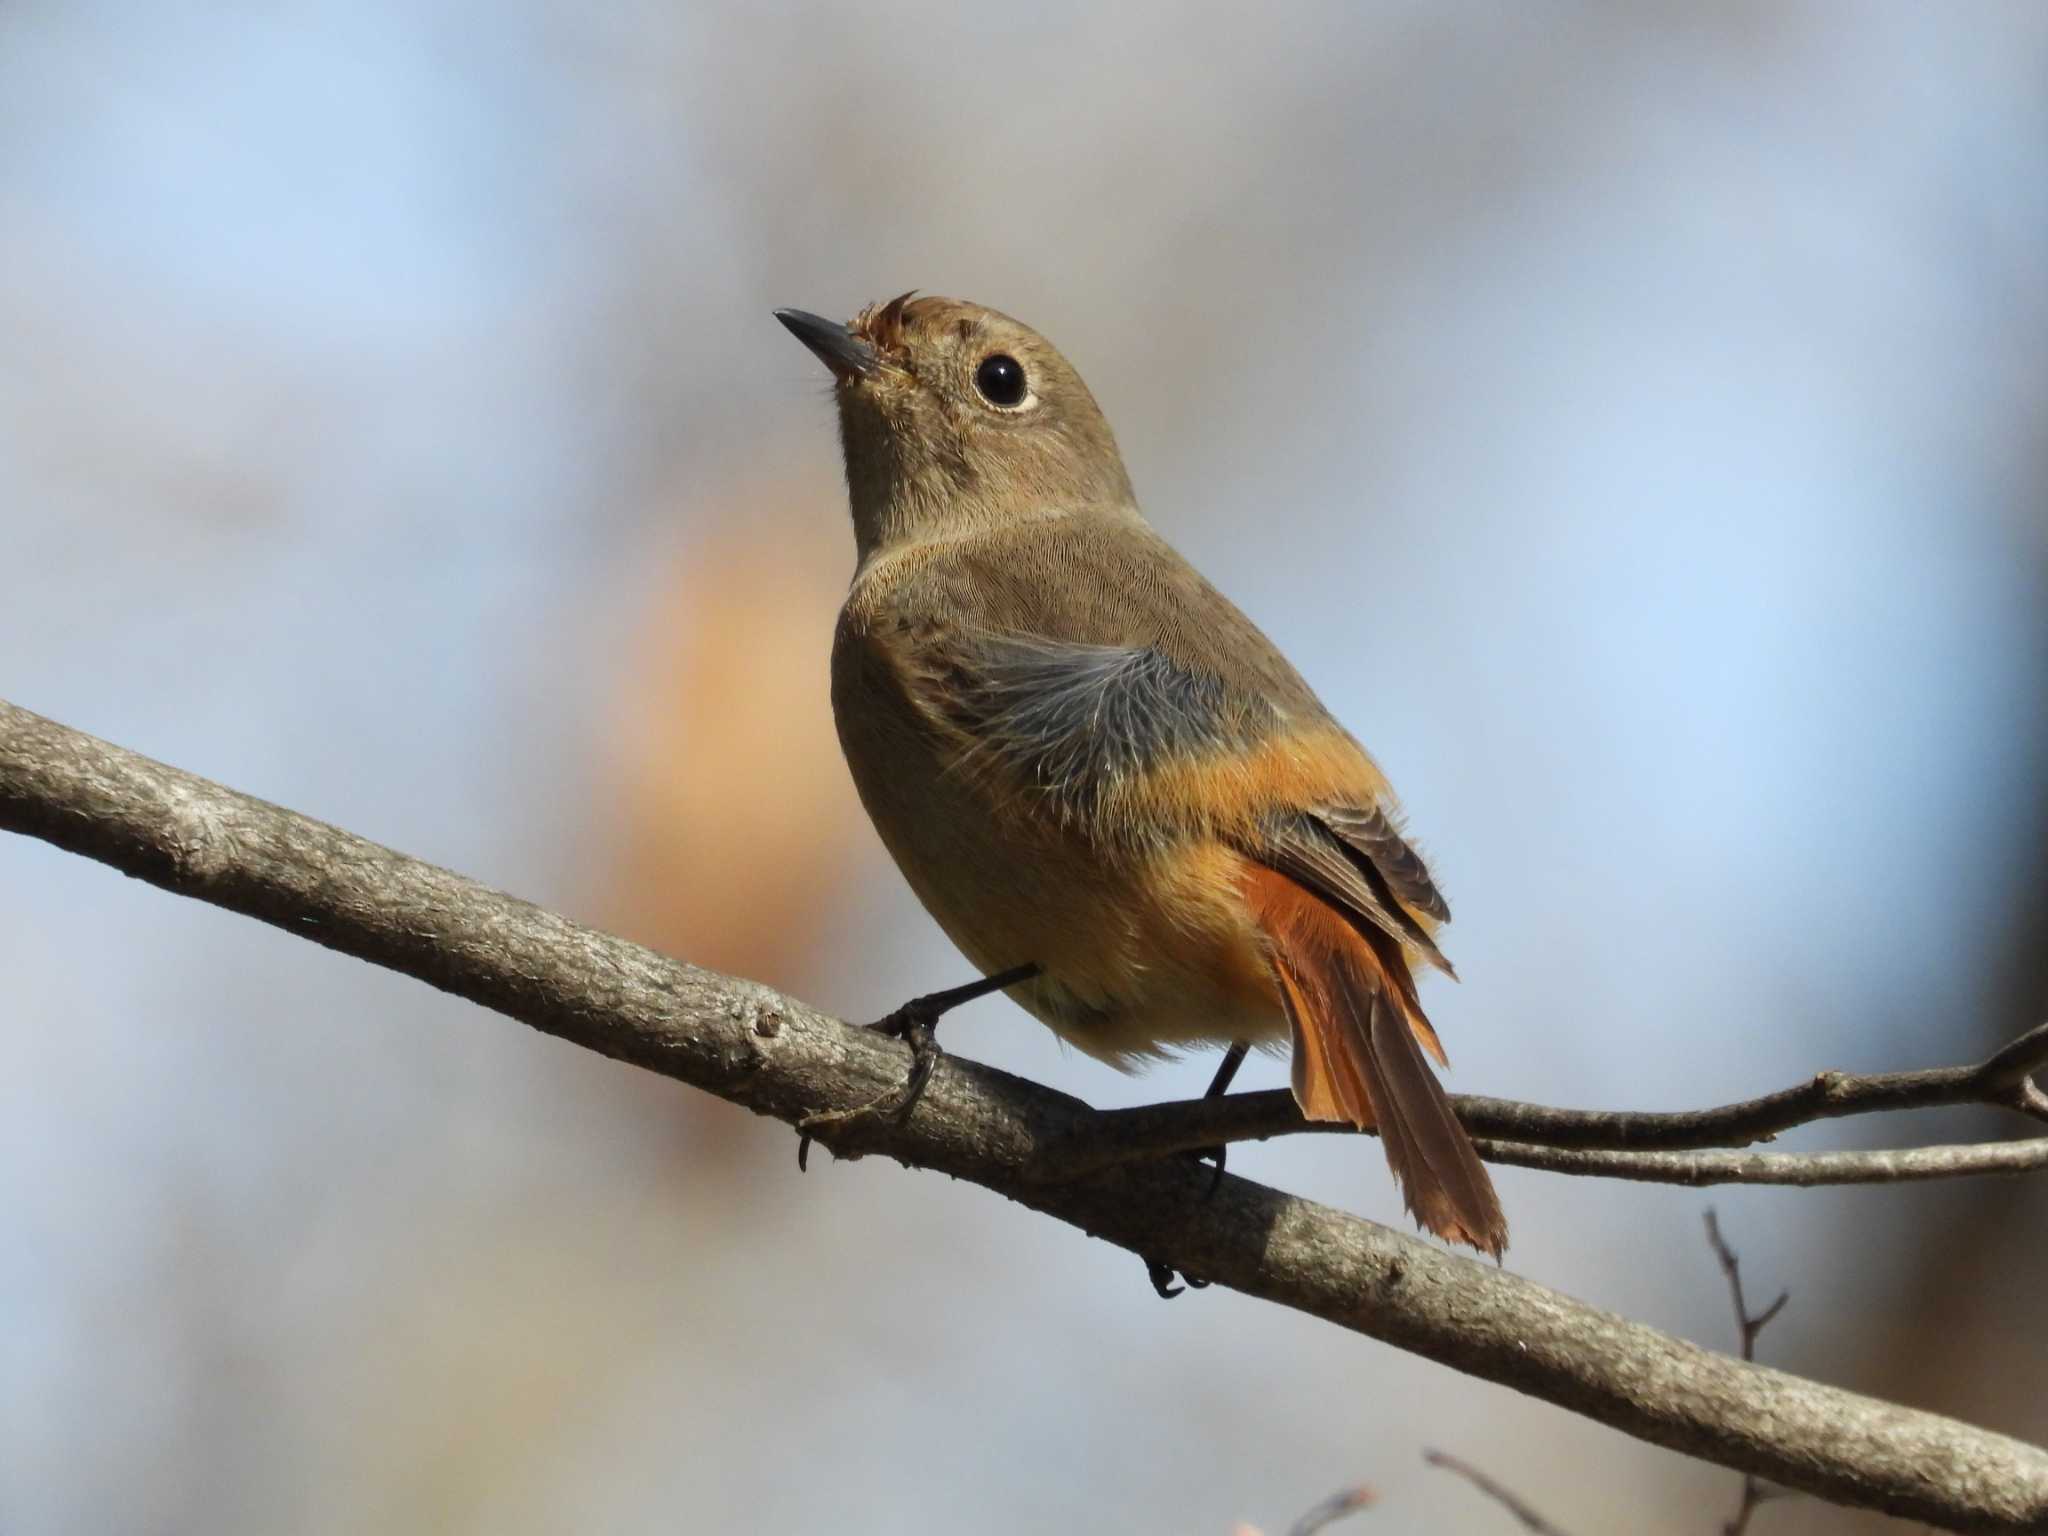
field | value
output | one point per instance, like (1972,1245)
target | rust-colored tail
(1359,1035)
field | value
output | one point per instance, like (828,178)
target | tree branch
(1750,1325)
(2002,1080)
(1532,1521)
(755,1047)
(1755,1492)
(1346,1501)
(1802,1170)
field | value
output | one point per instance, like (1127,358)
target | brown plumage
(1084,757)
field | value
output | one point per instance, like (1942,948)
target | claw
(1163,1276)
(913,1024)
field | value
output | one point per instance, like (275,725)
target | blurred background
(1633,420)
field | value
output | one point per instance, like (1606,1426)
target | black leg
(914,1024)
(933,1006)
(1162,1275)
(1226,1071)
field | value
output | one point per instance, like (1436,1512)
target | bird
(1109,788)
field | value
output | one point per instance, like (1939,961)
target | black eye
(1000,378)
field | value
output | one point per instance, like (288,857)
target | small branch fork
(1755,1491)
(770,1053)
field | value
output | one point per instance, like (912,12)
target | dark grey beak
(838,348)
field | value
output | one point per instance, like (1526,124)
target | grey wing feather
(1071,719)
(1305,848)
(1370,832)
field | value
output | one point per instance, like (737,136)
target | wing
(1072,721)
(1307,846)
(1070,690)
(1369,833)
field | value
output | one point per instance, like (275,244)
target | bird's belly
(1138,951)
(1134,957)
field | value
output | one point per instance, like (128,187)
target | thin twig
(1346,1501)
(1509,1500)
(771,1053)
(1800,1170)
(1749,1324)
(2002,1080)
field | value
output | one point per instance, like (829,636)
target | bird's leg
(1161,1275)
(1226,1072)
(915,1024)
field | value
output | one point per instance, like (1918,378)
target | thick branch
(778,1057)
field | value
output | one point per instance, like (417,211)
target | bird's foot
(916,1025)
(1164,1277)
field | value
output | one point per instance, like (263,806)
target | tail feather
(1455,1199)
(1327,1083)
(1359,1037)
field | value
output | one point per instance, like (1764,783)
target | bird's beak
(838,348)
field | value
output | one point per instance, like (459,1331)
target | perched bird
(1110,789)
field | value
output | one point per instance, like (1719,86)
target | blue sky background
(1632,421)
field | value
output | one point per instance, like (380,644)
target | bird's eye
(1000,378)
